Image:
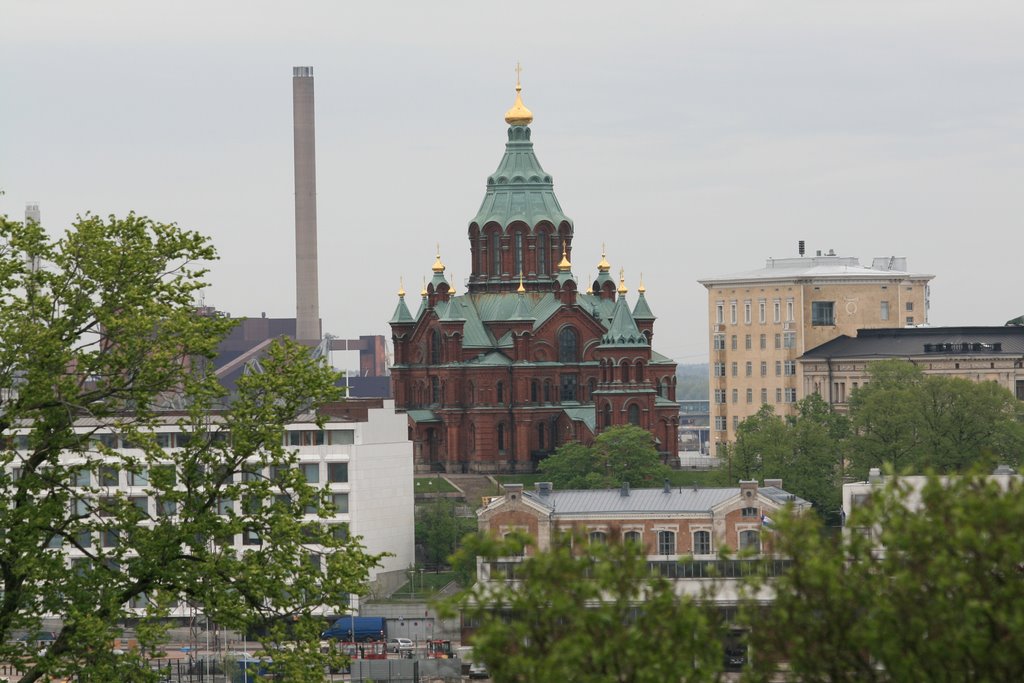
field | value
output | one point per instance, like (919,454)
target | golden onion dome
(603,266)
(641,289)
(518,115)
(564,263)
(438,267)
(622,281)
(401,288)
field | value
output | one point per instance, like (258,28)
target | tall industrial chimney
(307,297)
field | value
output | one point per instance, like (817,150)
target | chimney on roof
(544,488)
(777,483)
(668,486)
(307,296)
(874,476)
(624,491)
(800,247)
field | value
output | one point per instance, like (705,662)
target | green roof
(422,416)
(401,314)
(642,311)
(586,415)
(623,330)
(520,189)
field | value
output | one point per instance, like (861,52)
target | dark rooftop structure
(917,342)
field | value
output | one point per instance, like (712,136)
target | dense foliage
(924,586)
(439,530)
(619,454)
(99,334)
(598,616)
(901,417)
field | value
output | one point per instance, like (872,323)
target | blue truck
(366,629)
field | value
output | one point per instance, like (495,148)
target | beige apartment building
(761,321)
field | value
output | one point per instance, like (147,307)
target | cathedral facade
(495,379)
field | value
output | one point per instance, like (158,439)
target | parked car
(400,645)
(478,670)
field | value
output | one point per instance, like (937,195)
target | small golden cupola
(518,115)
(622,281)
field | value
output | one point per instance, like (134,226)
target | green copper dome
(520,189)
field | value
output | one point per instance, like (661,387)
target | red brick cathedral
(495,379)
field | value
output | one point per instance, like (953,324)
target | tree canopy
(439,530)
(99,334)
(916,421)
(598,616)
(923,586)
(618,454)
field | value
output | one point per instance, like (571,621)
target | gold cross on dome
(519,70)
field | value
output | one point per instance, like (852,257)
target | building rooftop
(826,266)
(674,500)
(923,341)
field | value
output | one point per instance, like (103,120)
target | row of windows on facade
(110,475)
(155,506)
(540,391)
(665,541)
(783,340)
(526,258)
(822,312)
(543,430)
(782,395)
(298,438)
(785,368)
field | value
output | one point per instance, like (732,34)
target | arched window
(666,543)
(568,346)
(517,265)
(607,415)
(547,391)
(499,389)
(435,390)
(534,391)
(750,539)
(592,387)
(625,371)
(501,438)
(542,253)
(496,254)
(702,543)
(634,414)
(435,347)
(598,538)
(639,371)
(540,436)
(632,537)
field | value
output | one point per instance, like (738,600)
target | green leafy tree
(99,333)
(916,422)
(619,454)
(439,530)
(805,451)
(598,616)
(915,591)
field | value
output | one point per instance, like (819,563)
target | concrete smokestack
(307,297)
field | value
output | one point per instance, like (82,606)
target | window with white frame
(719,395)
(883,313)
(746,312)
(718,342)
(764,395)
(789,368)
(789,339)
(750,539)
(823,313)
(777,311)
(702,543)
(721,423)
(666,542)
(790,395)
(732,312)
(632,536)
(720,312)
(761,316)
(789,310)
(719,368)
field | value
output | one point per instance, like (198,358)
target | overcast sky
(693,138)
